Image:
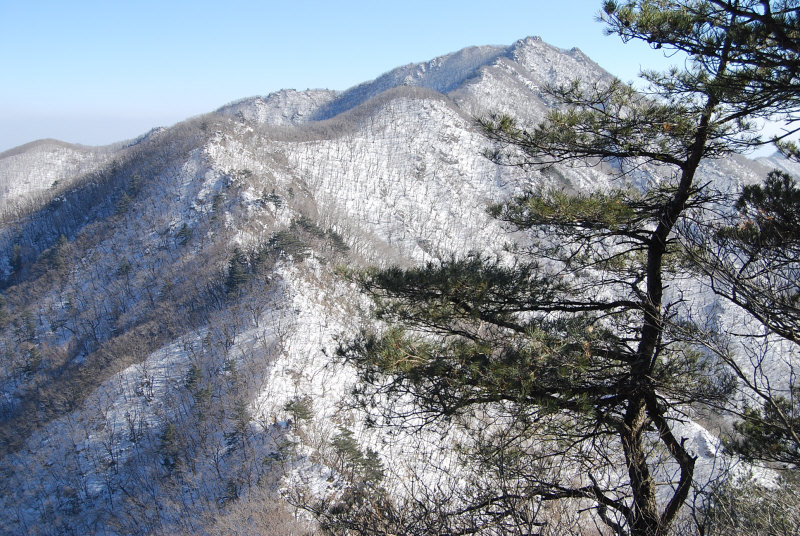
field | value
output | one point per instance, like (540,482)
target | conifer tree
(749,256)
(752,258)
(577,345)
(238,271)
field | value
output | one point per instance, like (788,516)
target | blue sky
(95,72)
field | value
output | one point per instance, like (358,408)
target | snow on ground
(39,166)
(402,179)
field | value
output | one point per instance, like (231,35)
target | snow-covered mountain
(28,170)
(170,304)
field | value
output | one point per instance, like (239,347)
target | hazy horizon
(95,73)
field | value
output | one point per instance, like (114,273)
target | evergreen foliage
(184,235)
(576,341)
(300,408)
(238,271)
(272,198)
(123,204)
(168,447)
(56,255)
(289,243)
(756,41)
(357,466)
(771,432)
(752,258)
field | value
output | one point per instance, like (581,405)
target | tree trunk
(644,518)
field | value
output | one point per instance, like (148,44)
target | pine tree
(238,271)
(577,342)
(752,258)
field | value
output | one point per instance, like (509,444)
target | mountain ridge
(158,356)
(444,74)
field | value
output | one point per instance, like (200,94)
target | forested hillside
(185,318)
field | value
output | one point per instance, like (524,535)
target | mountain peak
(531,57)
(443,74)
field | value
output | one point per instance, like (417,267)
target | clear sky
(95,72)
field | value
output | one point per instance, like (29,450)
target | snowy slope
(41,165)
(442,74)
(287,107)
(516,82)
(144,389)
(778,162)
